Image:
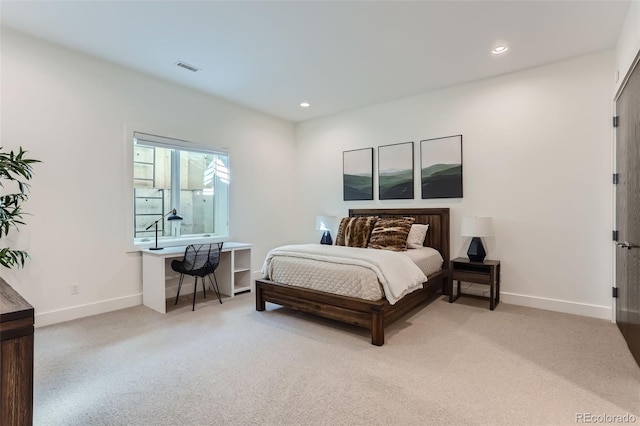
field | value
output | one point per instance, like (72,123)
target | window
(173,174)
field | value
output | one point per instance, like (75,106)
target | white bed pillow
(416,236)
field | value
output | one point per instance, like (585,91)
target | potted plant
(15,171)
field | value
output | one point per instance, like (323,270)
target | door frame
(625,80)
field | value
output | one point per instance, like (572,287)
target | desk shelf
(242,270)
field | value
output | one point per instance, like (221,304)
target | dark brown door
(628,212)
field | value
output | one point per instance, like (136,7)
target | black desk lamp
(174,216)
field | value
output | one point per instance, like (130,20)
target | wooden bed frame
(373,315)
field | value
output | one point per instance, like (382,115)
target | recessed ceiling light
(499,49)
(305,104)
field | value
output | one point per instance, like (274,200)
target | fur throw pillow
(355,231)
(391,234)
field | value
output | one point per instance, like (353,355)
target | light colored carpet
(228,364)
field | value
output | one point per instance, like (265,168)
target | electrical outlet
(75,289)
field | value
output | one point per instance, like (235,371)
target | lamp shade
(325,223)
(477,227)
(174,215)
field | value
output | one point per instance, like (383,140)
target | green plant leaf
(14,167)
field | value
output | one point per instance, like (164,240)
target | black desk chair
(200,260)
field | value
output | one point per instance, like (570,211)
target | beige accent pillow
(417,234)
(391,234)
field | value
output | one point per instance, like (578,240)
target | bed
(374,315)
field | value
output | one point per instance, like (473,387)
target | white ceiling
(338,55)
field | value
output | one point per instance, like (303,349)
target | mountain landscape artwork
(441,167)
(395,171)
(357,175)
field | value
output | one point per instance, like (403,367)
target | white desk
(159,281)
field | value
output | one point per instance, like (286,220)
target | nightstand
(487,272)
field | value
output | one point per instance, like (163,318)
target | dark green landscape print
(358,187)
(357,174)
(442,181)
(396,184)
(395,171)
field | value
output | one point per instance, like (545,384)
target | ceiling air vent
(187,66)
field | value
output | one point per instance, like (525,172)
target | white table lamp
(476,227)
(324,223)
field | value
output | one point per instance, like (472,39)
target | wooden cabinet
(16,358)
(486,272)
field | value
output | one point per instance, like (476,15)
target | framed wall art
(441,167)
(395,171)
(357,174)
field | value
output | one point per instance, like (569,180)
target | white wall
(536,157)
(72,112)
(628,44)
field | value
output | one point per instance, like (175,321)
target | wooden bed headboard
(436,218)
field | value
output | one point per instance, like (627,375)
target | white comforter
(397,273)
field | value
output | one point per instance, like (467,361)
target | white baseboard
(595,311)
(81,311)
(67,314)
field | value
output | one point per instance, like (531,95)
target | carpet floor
(450,364)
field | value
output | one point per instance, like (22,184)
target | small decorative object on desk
(477,227)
